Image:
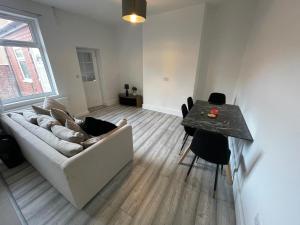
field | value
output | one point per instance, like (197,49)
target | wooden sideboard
(131,100)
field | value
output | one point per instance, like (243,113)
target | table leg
(184,155)
(228,174)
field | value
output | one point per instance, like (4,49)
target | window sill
(26,103)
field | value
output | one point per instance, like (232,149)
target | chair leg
(183,143)
(221,169)
(228,174)
(184,137)
(216,181)
(188,173)
(184,155)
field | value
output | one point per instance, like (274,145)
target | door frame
(98,66)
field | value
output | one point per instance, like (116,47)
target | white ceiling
(109,11)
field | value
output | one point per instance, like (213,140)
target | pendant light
(134,11)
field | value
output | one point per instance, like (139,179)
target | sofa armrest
(88,171)
(44,158)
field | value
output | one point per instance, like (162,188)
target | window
(24,71)
(22,64)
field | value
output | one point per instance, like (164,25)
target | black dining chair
(188,130)
(211,147)
(217,98)
(190,103)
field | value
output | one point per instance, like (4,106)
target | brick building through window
(22,69)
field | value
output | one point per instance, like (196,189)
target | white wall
(130,50)
(62,33)
(268,93)
(225,33)
(250,51)
(171,44)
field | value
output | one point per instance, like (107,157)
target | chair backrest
(217,98)
(211,147)
(190,103)
(184,110)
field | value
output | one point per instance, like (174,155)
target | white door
(90,76)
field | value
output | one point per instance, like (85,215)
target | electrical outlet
(257,220)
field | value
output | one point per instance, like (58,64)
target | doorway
(90,76)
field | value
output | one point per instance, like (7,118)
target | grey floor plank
(8,213)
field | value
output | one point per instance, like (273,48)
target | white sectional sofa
(81,176)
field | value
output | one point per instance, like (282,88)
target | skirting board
(82,114)
(109,102)
(162,109)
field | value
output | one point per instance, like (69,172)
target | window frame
(37,42)
(22,59)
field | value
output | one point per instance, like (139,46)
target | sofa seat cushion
(46,122)
(68,135)
(66,148)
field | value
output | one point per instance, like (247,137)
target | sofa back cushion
(66,148)
(46,122)
(30,116)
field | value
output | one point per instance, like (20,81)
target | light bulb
(133,18)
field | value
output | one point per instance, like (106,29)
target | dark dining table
(229,122)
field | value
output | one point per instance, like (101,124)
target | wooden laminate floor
(150,190)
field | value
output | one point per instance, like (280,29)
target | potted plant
(134,90)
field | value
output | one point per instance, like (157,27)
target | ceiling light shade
(134,11)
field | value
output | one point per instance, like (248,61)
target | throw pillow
(50,103)
(97,127)
(94,140)
(121,123)
(67,135)
(39,110)
(30,116)
(78,121)
(75,127)
(60,115)
(47,122)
